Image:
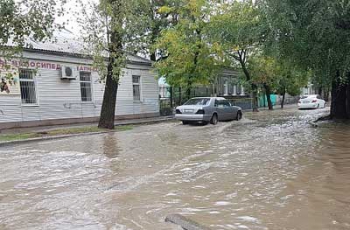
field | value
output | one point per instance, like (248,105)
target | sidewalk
(117,123)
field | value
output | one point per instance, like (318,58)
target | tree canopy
(27,18)
(315,35)
(187,58)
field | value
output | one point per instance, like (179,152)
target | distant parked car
(207,109)
(311,102)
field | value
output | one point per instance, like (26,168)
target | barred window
(136,87)
(27,85)
(85,86)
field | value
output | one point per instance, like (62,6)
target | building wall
(59,99)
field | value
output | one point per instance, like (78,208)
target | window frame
(34,80)
(136,84)
(91,87)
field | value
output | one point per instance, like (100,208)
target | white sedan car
(311,102)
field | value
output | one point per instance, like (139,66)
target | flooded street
(271,170)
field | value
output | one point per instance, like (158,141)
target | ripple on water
(271,173)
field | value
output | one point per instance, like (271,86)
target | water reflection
(110,145)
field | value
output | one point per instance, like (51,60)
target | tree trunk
(264,101)
(180,96)
(188,91)
(112,80)
(171,96)
(254,92)
(348,99)
(255,97)
(326,94)
(268,96)
(109,102)
(283,98)
(253,85)
(340,107)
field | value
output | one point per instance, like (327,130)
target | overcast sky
(72,11)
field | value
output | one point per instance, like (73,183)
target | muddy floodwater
(271,170)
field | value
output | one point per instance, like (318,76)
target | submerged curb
(37,139)
(184,222)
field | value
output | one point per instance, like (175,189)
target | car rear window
(303,97)
(198,101)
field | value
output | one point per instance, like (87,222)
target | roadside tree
(315,35)
(237,29)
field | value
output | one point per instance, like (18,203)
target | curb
(146,122)
(184,223)
(38,139)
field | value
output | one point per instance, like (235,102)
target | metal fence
(166,109)
(244,103)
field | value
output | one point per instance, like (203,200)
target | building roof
(66,43)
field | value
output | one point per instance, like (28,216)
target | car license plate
(306,102)
(188,111)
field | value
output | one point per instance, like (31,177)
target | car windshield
(198,101)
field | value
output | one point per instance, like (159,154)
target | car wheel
(214,119)
(239,115)
(185,122)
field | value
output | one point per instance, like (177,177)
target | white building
(55,84)
(308,90)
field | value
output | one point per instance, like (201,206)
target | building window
(239,89)
(27,85)
(136,87)
(85,86)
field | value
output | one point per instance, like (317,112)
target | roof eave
(76,55)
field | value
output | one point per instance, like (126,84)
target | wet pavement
(271,170)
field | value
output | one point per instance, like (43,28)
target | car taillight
(200,111)
(178,111)
(314,101)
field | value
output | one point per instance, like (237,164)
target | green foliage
(291,78)
(106,25)
(187,56)
(315,34)
(26,18)
(264,70)
(152,17)
(280,75)
(236,27)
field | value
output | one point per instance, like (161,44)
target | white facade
(63,101)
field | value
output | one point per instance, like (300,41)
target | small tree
(237,29)
(107,27)
(264,71)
